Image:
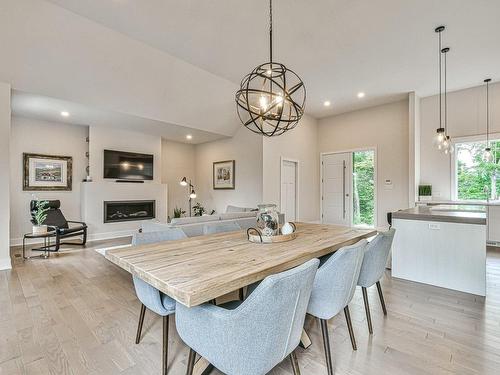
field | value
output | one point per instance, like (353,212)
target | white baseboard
(5,264)
(90,237)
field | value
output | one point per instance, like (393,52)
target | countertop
(461,203)
(450,216)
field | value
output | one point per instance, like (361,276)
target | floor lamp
(192,194)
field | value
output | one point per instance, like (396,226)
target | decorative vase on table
(39,229)
(268,219)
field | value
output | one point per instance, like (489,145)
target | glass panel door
(363,188)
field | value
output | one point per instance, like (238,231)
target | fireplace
(117,211)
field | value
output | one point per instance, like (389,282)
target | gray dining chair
(333,289)
(374,263)
(251,336)
(213,228)
(150,297)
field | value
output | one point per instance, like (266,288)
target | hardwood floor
(76,313)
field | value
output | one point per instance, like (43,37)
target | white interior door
(289,190)
(336,192)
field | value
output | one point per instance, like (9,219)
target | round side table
(46,243)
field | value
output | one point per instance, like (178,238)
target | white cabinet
(494,224)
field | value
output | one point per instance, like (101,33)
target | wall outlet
(434,226)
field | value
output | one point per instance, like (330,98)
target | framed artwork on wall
(223,177)
(47,172)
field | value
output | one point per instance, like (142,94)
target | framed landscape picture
(223,175)
(47,172)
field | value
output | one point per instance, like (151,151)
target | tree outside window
(477,179)
(363,188)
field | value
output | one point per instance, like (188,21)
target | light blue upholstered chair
(376,255)
(213,228)
(333,289)
(253,336)
(151,297)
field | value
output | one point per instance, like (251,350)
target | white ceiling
(385,48)
(49,109)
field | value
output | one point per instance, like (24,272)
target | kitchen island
(441,246)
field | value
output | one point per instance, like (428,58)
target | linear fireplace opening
(116,211)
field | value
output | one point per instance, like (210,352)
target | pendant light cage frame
(271,99)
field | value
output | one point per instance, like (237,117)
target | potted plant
(39,216)
(425,192)
(178,212)
(198,209)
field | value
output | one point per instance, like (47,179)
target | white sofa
(193,226)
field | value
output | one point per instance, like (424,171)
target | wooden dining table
(200,269)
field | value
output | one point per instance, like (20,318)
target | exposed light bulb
(279,99)
(263,102)
(183,182)
(192,195)
(440,137)
(488,155)
(269,72)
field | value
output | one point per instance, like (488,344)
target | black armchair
(62,227)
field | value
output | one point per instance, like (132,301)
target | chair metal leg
(381,296)
(326,345)
(191,360)
(241,294)
(295,363)
(165,345)
(139,326)
(349,327)
(367,310)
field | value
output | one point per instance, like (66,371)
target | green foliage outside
(363,188)
(477,179)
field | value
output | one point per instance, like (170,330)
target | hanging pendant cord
(270,31)
(440,89)
(445,99)
(487,114)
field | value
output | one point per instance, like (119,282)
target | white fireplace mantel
(92,205)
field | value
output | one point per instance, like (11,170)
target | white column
(414,148)
(4,176)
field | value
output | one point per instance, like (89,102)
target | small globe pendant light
(488,155)
(447,144)
(271,98)
(440,137)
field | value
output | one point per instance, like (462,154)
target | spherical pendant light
(271,99)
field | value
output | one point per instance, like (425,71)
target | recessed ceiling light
(189,136)
(65,114)
(361,95)
(327,103)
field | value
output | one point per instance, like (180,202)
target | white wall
(4,175)
(384,127)
(298,144)
(466,117)
(42,137)
(178,161)
(104,138)
(246,149)
(55,52)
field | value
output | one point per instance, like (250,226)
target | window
(363,188)
(474,178)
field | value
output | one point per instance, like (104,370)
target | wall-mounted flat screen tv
(123,165)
